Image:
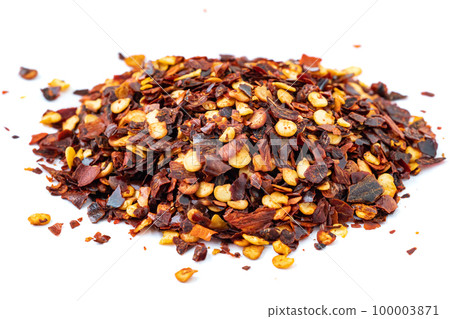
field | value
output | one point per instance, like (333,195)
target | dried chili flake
(56,229)
(246,267)
(425,93)
(101,239)
(74,224)
(411,251)
(51,93)
(4,92)
(15,137)
(253,146)
(392,231)
(36,170)
(27,74)
(200,252)
(357,46)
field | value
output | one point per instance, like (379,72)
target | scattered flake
(56,229)
(411,251)
(425,93)
(74,223)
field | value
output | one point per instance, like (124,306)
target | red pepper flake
(101,239)
(425,93)
(145,248)
(246,267)
(15,136)
(407,195)
(56,229)
(81,92)
(27,74)
(74,223)
(6,128)
(4,92)
(36,170)
(392,231)
(355,225)
(439,128)
(36,138)
(411,251)
(357,46)
(423,111)
(80,219)
(370,225)
(319,246)
(51,93)
(88,239)
(417,233)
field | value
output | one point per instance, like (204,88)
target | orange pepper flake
(202,232)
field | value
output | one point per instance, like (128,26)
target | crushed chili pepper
(246,267)
(15,137)
(357,46)
(56,228)
(230,148)
(101,239)
(392,231)
(27,74)
(74,224)
(427,94)
(411,251)
(51,93)
(36,170)
(4,92)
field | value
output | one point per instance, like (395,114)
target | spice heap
(251,152)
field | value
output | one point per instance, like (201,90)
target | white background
(403,43)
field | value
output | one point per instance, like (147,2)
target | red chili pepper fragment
(411,251)
(427,94)
(28,74)
(51,93)
(101,239)
(74,224)
(56,229)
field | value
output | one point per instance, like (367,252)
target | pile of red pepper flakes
(251,152)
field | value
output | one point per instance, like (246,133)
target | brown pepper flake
(101,239)
(27,74)
(74,224)
(36,170)
(200,252)
(56,228)
(51,93)
(246,267)
(366,191)
(411,251)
